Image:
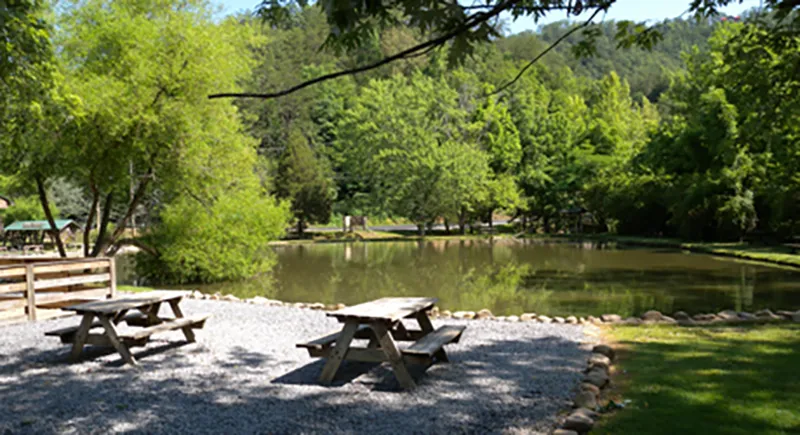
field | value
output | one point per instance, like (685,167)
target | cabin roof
(40,225)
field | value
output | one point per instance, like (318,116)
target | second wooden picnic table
(380,321)
(109,313)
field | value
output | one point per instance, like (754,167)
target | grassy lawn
(133,289)
(720,380)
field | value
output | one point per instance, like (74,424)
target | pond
(511,276)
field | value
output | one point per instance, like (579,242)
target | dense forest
(106,120)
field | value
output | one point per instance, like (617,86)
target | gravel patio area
(244,375)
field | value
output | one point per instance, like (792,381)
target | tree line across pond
(105,119)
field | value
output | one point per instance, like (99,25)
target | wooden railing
(39,290)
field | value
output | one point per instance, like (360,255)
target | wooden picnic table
(380,321)
(109,313)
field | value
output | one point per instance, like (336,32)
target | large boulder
(728,315)
(594,389)
(597,377)
(588,413)
(604,349)
(572,320)
(632,321)
(565,432)
(611,318)
(599,360)
(680,315)
(527,317)
(766,314)
(668,320)
(578,422)
(464,315)
(744,315)
(652,316)
(585,399)
(544,319)
(445,314)
(484,314)
(788,315)
(512,319)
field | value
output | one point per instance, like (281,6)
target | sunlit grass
(133,288)
(721,380)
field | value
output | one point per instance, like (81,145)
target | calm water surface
(512,276)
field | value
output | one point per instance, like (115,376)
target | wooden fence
(37,291)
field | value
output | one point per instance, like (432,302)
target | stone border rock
(596,378)
(649,317)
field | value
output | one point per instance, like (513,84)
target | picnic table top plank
(388,309)
(109,306)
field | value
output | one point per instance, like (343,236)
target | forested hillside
(107,120)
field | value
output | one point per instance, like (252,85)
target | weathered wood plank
(180,323)
(433,342)
(30,293)
(71,266)
(12,271)
(11,303)
(82,279)
(338,353)
(61,300)
(12,287)
(328,339)
(80,336)
(116,341)
(393,355)
(128,302)
(387,309)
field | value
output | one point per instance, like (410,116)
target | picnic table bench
(380,322)
(110,313)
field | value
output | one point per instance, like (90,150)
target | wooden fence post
(112,272)
(30,290)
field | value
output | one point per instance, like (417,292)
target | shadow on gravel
(491,386)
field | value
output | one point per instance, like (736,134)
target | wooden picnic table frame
(109,313)
(380,321)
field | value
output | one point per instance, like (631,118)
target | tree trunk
(447,227)
(54,232)
(87,229)
(100,242)
(137,197)
(300,228)
(462,223)
(546,224)
(421,229)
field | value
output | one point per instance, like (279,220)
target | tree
(403,139)
(141,70)
(303,178)
(462,27)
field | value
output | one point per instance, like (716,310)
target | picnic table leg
(393,355)
(111,333)
(152,313)
(80,336)
(427,327)
(338,353)
(187,331)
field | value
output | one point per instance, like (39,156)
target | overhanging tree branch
(546,50)
(470,22)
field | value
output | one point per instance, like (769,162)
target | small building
(22,233)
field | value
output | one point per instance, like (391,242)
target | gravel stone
(245,375)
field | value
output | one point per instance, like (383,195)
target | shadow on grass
(720,380)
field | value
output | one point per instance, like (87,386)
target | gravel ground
(244,375)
